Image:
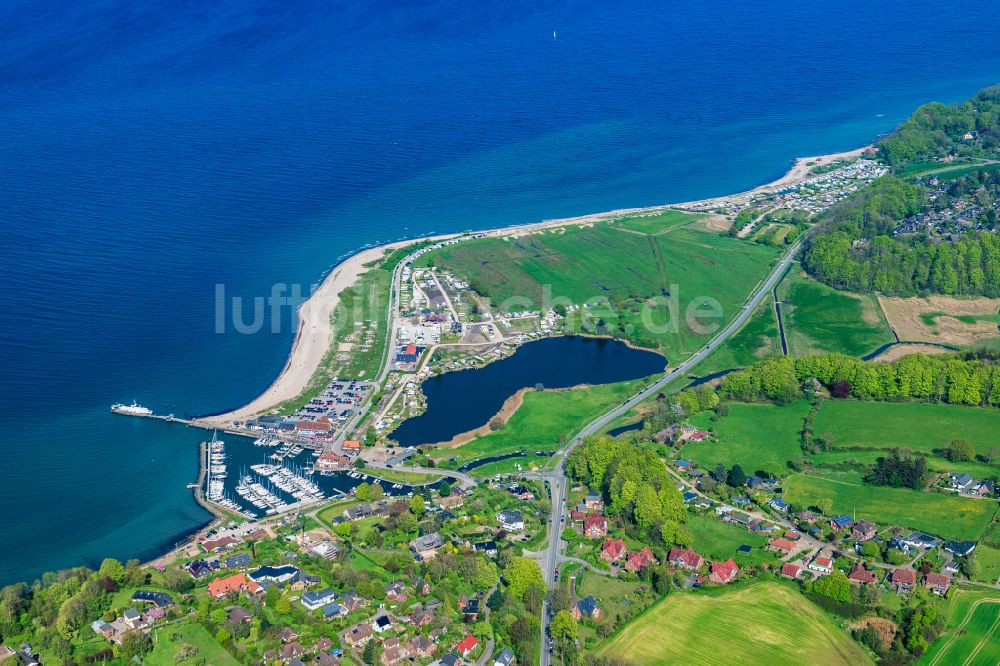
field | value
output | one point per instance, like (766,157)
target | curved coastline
(314,335)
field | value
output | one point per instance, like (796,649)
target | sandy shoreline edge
(314,335)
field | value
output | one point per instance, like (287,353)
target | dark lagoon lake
(464,400)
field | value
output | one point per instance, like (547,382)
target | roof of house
(237,561)
(466,644)
(587,606)
(789,569)
(595,521)
(234,583)
(861,575)
(273,572)
(960,548)
(510,516)
(504,658)
(690,557)
(428,541)
(155,598)
(902,575)
(936,580)
(842,521)
(782,543)
(726,569)
(131,614)
(614,547)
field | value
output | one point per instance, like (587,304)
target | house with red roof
(903,579)
(781,545)
(613,550)
(861,575)
(639,560)
(595,527)
(723,572)
(684,558)
(466,645)
(937,583)
(790,570)
(235,583)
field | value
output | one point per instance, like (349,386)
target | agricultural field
(715,540)
(820,319)
(940,514)
(972,634)
(885,425)
(642,284)
(946,320)
(757,436)
(169,641)
(762,623)
(543,422)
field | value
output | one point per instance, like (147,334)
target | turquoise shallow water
(150,151)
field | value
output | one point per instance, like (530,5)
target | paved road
(557,478)
(466,480)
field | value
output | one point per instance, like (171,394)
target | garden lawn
(972,633)
(819,318)
(543,422)
(943,515)
(886,425)
(765,623)
(716,540)
(757,436)
(187,632)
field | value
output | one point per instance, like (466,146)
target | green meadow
(762,623)
(716,540)
(913,425)
(757,339)
(819,318)
(640,285)
(757,436)
(940,514)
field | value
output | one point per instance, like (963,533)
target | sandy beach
(315,331)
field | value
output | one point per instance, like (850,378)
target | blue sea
(150,151)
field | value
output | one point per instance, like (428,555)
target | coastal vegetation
(762,623)
(613,280)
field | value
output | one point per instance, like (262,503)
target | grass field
(755,436)
(168,642)
(888,425)
(658,224)
(988,558)
(648,281)
(715,540)
(766,623)
(942,515)
(544,421)
(756,340)
(398,476)
(819,318)
(972,634)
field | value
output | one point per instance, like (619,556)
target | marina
(245,477)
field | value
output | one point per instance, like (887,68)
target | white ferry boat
(135,409)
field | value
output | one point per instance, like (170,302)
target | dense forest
(968,129)
(853,248)
(960,380)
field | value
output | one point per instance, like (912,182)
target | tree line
(954,379)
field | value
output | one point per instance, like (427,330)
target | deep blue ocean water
(152,150)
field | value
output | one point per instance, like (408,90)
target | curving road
(557,478)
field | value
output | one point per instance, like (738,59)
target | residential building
(823,562)
(593,501)
(863,531)
(595,527)
(841,522)
(861,575)
(511,521)
(613,550)
(466,645)
(959,548)
(790,570)
(359,634)
(236,583)
(684,558)
(723,572)
(937,583)
(425,547)
(586,608)
(315,600)
(903,579)
(504,658)
(639,560)
(781,545)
